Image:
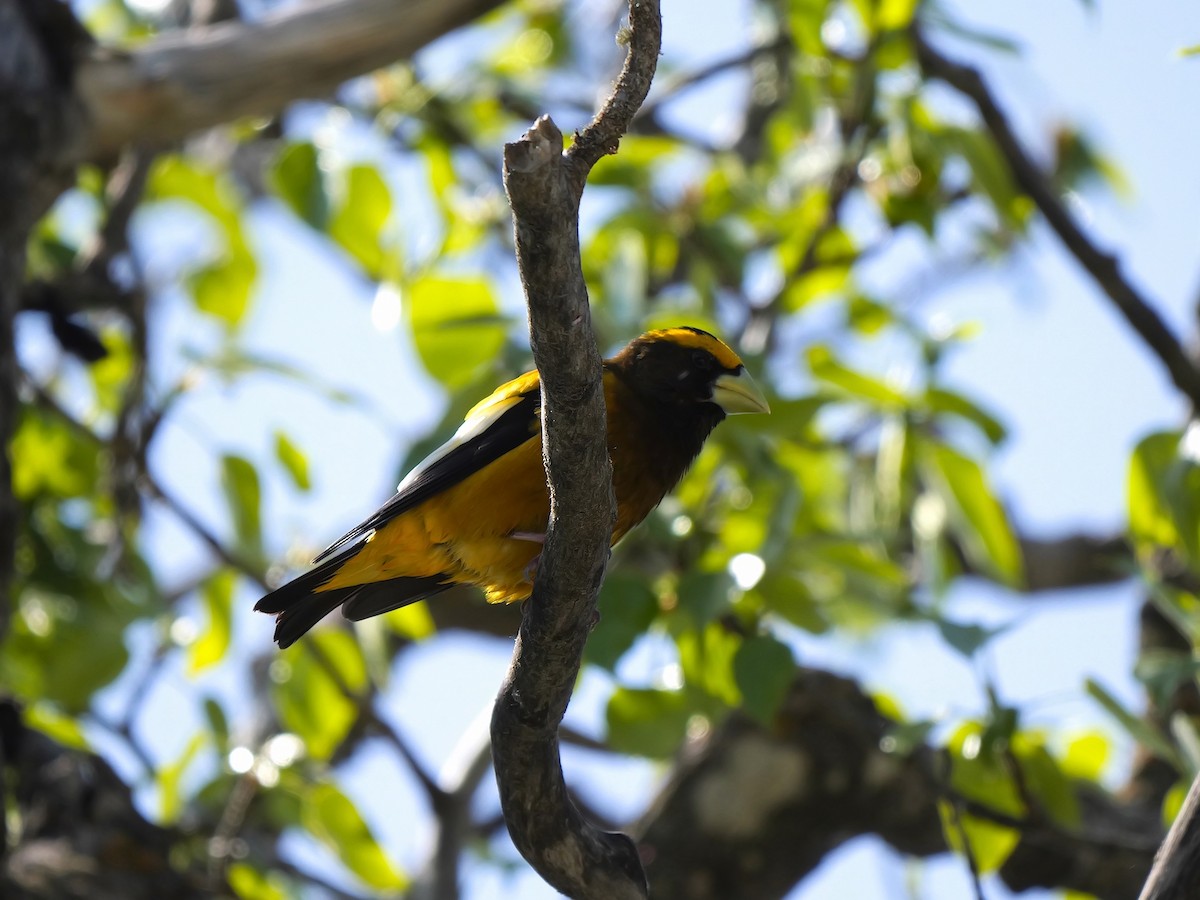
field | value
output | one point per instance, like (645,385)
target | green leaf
(1164,492)
(827,368)
(293,460)
(217,596)
(330,816)
(456,326)
(65,730)
(829,273)
(248,883)
(979,775)
(1087,755)
(966,639)
(239,482)
(646,722)
(764,669)
(1173,803)
(66,638)
(785,593)
(942,402)
(991,173)
(309,698)
(298,181)
(627,606)
(706,657)
(170,777)
(895,14)
(1163,671)
(991,844)
(48,458)
(358,223)
(218,723)
(222,287)
(413,622)
(111,374)
(867,316)
(704,595)
(1045,780)
(977,518)
(1150,521)
(1141,731)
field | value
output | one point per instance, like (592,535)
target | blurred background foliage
(858,503)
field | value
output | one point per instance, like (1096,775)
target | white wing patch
(477,422)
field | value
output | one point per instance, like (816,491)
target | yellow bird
(475,511)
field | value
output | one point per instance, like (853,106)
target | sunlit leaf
(456,326)
(48,457)
(942,401)
(330,816)
(1087,755)
(1150,520)
(1173,803)
(221,287)
(248,883)
(65,730)
(827,368)
(981,776)
(293,460)
(413,622)
(170,778)
(310,699)
(217,597)
(647,722)
(706,656)
(364,206)
(895,14)
(977,517)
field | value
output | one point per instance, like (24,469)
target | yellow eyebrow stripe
(702,340)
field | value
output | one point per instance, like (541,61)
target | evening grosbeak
(475,511)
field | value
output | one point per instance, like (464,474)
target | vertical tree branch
(544,186)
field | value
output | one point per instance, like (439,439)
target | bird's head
(686,365)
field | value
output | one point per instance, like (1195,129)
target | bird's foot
(533,536)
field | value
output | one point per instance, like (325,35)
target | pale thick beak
(739,394)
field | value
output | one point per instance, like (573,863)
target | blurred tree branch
(749,811)
(1103,267)
(186,81)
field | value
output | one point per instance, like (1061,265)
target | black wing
(451,463)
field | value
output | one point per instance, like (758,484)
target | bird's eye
(702,361)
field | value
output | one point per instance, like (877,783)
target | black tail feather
(298,605)
(384,596)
